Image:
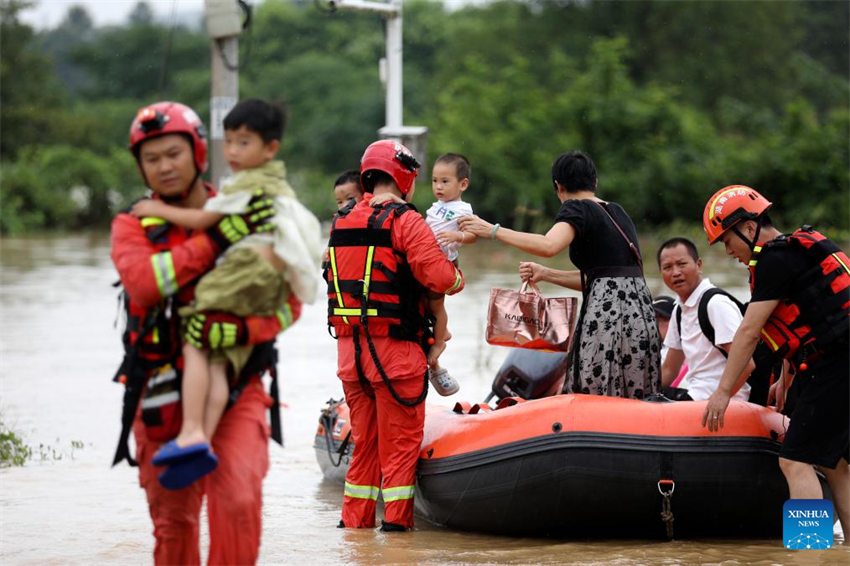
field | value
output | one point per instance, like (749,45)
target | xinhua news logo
(807,524)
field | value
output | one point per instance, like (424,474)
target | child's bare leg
(216,398)
(441,331)
(196,384)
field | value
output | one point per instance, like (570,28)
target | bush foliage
(672,99)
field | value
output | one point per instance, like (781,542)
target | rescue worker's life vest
(152,367)
(370,281)
(817,312)
(161,342)
(152,363)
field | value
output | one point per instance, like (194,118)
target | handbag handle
(623,234)
(526,285)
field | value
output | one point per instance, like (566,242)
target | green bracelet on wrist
(495,229)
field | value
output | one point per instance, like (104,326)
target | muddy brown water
(59,348)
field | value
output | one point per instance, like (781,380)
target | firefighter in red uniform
(158,265)
(800,306)
(381,261)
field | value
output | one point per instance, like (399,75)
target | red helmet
(393,159)
(729,206)
(170,118)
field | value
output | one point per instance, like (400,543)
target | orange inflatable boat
(574,466)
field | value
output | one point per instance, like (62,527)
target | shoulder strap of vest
(153,231)
(395,209)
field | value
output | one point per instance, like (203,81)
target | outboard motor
(530,374)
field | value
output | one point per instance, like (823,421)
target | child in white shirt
(449,179)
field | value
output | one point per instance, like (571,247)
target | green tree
(30,96)
(141,15)
(75,28)
(65,188)
(141,62)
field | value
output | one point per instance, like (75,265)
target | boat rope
(327,424)
(666,509)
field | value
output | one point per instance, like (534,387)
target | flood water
(59,348)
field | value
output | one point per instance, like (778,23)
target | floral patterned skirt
(617,348)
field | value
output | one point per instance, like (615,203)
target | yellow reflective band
(284,315)
(367,273)
(340,302)
(149,221)
(163,271)
(771,343)
(361,491)
(754,260)
(717,198)
(398,493)
(838,259)
(355,312)
(458,281)
(155,335)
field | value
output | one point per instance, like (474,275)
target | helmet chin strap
(751,243)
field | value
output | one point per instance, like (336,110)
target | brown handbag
(527,319)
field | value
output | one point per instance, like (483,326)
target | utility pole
(224,25)
(414,137)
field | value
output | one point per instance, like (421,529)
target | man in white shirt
(681,269)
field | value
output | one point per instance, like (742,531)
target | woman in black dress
(617,349)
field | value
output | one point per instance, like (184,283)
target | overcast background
(48,13)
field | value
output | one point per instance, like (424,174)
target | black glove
(256,219)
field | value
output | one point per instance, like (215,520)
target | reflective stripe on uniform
(149,221)
(354,312)
(773,345)
(160,400)
(756,252)
(457,283)
(838,259)
(284,316)
(340,302)
(367,272)
(361,491)
(398,493)
(163,270)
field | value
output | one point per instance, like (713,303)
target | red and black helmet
(393,159)
(164,118)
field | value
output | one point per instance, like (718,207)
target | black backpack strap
(705,325)
(135,373)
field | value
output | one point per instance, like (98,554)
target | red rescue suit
(381,259)
(818,311)
(158,264)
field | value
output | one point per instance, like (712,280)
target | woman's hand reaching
(475,225)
